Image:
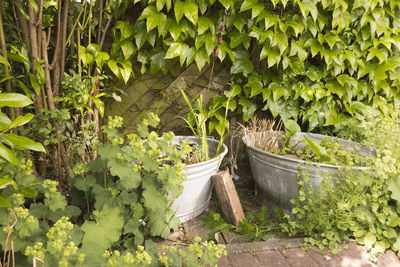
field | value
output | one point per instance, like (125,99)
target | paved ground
(284,252)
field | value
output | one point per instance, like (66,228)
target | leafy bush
(360,204)
(126,195)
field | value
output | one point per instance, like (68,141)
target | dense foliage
(363,204)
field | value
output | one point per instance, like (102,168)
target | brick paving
(354,256)
(278,252)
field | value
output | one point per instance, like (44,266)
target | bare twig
(103,37)
(37,259)
(9,230)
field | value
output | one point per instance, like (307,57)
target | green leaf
(157,62)
(242,63)
(394,188)
(8,155)
(21,120)
(292,126)
(187,8)
(103,233)
(248,108)
(369,239)
(4,61)
(238,38)
(128,49)
(4,182)
(14,100)
(254,5)
(140,34)
(153,199)
(201,58)
(28,192)
(175,50)
(205,23)
(4,202)
(22,142)
(129,179)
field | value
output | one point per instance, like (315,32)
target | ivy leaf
(238,38)
(140,34)
(205,23)
(308,6)
(248,108)
(187,8)
(242,63)
(281,40)
(157,62)
(201,58)
(227,3)
(175,50)
(255,84)
(254,5)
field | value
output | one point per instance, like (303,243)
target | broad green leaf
(369,239)
(201,58)
(8,155)
(28,192)
(22,142)
(248,108)
(4,182)
(140,34)
(128,49)
(205,23)
(175,50)
(153,199)
(101,234)
(242,63)
(4,61)
(292,126)
(21,120)
(188,9)
(129,179)
(4,202)
(238,38)
(14,100)
(394,188)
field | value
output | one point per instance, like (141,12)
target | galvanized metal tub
(198,185)
(276,176)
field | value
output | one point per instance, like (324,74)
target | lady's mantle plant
(125,195)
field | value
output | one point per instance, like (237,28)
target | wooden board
(228,197)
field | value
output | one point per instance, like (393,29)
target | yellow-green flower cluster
(115,122)
(36,251)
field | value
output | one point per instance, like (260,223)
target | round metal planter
(276,176)
(198,185)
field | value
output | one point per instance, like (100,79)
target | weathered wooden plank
(228,197)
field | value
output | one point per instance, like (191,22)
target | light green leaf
(292,126)
(14,100)
(21,120)
(4,202)
(8,155)
(22,142)
(4,61)
(104,232)
(4,182)
(369,239)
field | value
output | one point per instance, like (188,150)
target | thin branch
(100,21)
(53,63)
(40,14)
(103,37)
(64,37)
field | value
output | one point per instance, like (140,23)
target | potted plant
(278,158)
(203,163)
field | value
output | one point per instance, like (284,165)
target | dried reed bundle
(262,135)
